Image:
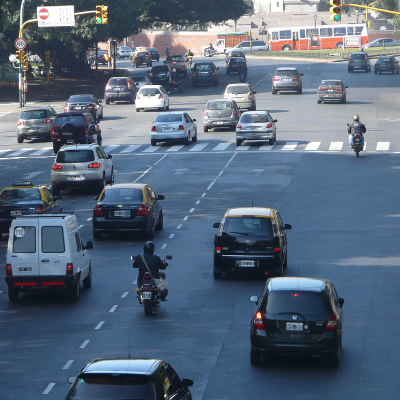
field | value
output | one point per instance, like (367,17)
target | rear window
(126,48)
(75,156)
(219,105)
(331,83)
(117,81)
(78,99)
(33,114)
(203,67)
(238,60)
(292,302)
(249,118)
(236,89)
(121,194)
(286,72)
(175,58)
(248,226)
(357,56)
(53,239)
(159,68)
(16,195)
(169,118)
(24,239)
(149,91)
(73,119)
(237,54)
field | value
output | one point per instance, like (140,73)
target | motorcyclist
(154,264)
(210,49)
(188,54)
(242,71)
(354,128)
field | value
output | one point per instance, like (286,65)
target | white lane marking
(80,226)
(89,219)
(148,169)
(84,344)
(163,246)
(242,148)
(365,146)
(191,210)
(32,175)
(150,149)
(290,146)
(49,387)
(312,146)
(266,147)
(223,169)
(185,218)
(5,151)
(111,147)
(221,146)
(68,364)
(179,226)
(124,295)
(41,151)
(131,148)
(175,148)
(198,202)
(335,146)
(19,152)
(171,235)
(382,146)
(203,195)
(199,147)
(162,158)
(113,308)
(99,325)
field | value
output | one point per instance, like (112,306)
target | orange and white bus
(330,37)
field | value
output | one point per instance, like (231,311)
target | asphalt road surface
(345,216)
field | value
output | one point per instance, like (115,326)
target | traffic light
(104,15)
(23,57)
(18,54)
(99,14)
(335,10)
(26,66)
(369,24)
(47,57)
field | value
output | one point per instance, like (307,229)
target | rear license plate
(294,326)
(14,213)
(118,88)
(70,141)
(219,123)
(119,213)
(146,295)
(203,73)
(246,263)
(25,269)
(285,79)
(167,128)
(76,178)
(78,108)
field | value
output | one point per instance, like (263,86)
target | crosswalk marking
(5,151)
(110,148)
(221,146)
(199,147)
(242,148)
(41,151)
(130,148)
(19,152)
(266,147)
(335,146)
(382,146)
(290,146)
(175,147)
(150,149)
(312,146)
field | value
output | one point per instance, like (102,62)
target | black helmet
(356,118)
(149,247)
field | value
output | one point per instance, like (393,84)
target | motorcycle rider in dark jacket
(154,263)
(354,128)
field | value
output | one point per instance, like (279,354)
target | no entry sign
(43,13)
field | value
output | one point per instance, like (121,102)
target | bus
(329,37)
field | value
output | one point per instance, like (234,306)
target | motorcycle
(176,84)
(149,295)
(210,52)
(242,78)
(358,147)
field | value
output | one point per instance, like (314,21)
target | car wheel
(87,282)
(96,234)
(255,357)
(101,115)
(285,262)
(56,147)
(344,100)
(75,290)
(279,272)
(167,108)
(274,91)
(132,100)
(205,129)
(376,72)
(137,109)
(271,142)
(160,224)
(153,142)
(349,70)
(187,139)
(194,138)
(319,101)
(334,358)
(107,101)
(300,91)
(103,183)
(20,139)
(238,142)
(13,294)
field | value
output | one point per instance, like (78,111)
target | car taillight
(66,108)
(184,64)
(205,112)
(138,96)
(296,79)
(129,85)
(70,269)
(47,121)
(8,270)
(94,165)
(181,128)
(339,90)
(225,96)
(173,62)
(160,96)
(277,249)
(20,122)
(332,323)
(143,210)
(90,107)
(234,111)
(97,210)
(154,129)
(54,167)
(250,96)
(218,250)
(39,208)
(98,56)
(258,322)
(214,73)
(194,74)
(321,89)
(269,126)
(276,79)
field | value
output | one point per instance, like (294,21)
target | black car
(205,72)
(297,316)
(160,75)
(236,64)
(120,88)
(100,57)
(129,378)
(155,54)
(386,64)
(141,57)
(128,207)
(86,103)
(234,53)
(359,62)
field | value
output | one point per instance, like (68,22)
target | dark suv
(386,64)
(121,88)
(160,75)
(235,64)
(359,62)
(205,72)
(297,316)
(250,239)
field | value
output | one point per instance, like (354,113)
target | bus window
(359,30)
(274,35)
(302,33)
(326,32)
(350,30)
(339,31)
(285,34)
(312,32)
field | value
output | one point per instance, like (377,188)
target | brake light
(108,88)
(258,322)
(250,96)
(238,126)
(332,323)
(181,128)
(54,167)
(94,165)
(218,250)
(47,121)
(234,111)
(20,122)
(184,64)
(138,96)
(160,96)
(97,210)
(277,249)
(39,208)
(225,96)
(296,79)
(8,270)
(276,79)
(70,269)
(143,210)
(129,85)
(205,112)
(66,108)
(295,294)
(194,74)
(339,90)
(90,107)
(214,73)
(269,126)
(154,129)
(173,62)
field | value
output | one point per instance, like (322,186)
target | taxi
(250,238)
(141,57)
(24,198)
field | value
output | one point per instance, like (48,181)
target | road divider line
(99,325)
(290,146)
(48,388)
(111,147)
(221,172)
(112,309)
(41,151)
(178,227)
(150,149)
(163,246)
(68,364)
(382,146)
(266,147)
(19,152)
(130,148)
(185,218)
(175,148)
(203,195)
(171,235)
(199,147)
(335,146)
(242,148)
(89,219)
(221,146)
(198,202)
(312,146)
(80,226)
(124,295)
(84,344)
(191,210)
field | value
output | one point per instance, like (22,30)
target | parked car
(332,90)
(152,96)
(120,88)
(234,53)
(255,45)
(387,42)
(160,75)
(235,64)
(141,80)
(173,126)
(128,207)
(359,62)
(386,64)
(101,57)
(287,79)
(205,72)
(141,57)
(297,316)
(81,166)
(123,52)
(87,103)
(243,94)
(256,125)
(35,122)
(221,114)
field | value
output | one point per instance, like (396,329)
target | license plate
(203,73)
(78,108)
(146,295)
(167,128)
(246,263)
(330,91)
(146,58)
(25,269)
(14,213)
(119,213)
(219,123)
(118,88)
(70,141)
(286,79)
(75,178)
(294,326)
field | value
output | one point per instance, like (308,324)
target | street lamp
(315,23)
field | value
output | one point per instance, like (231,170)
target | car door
(81,257)
(282,233)
(105,161)
(189,124)
(176,390)
(271,120)
(153,204)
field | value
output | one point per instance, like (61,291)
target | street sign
(55,16)
(20,43)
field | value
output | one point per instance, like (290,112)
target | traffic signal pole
(20,89)
(370,8)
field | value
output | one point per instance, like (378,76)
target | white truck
(226,41)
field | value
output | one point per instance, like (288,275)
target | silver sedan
(256,125)
(173,126)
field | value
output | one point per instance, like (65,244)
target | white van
(45,251)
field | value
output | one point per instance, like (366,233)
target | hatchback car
(243,94)
(128,207)
(81,166)
(120,88)
(256,125)
(287,79)
(86,103)
(297,316)
(152,96)
(386,64)
(359,62)
(221,114)
(236,64)
(160,75)
(129,378)
(141,57)
(332,90)
(234,53)
(250,239)
(35,122)
(205,72)
(141,80)
(123,52)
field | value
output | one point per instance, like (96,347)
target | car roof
(286,69)
(36,108)
(126,186)
(203,62)
(255,112)
(79,113)
(81,94)
(358,52)
(253,211)
(237,84)
(123,365)
(152,86)
(79,147)
(297,283)
(331,80)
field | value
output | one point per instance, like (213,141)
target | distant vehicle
(332,90)
(141,57)
(152,96)
(234,53)
(141,80)
(160,75)
(236,64)
(123,52)
(287,79)
(386,64)
(100,57)
(221,114)
(178,63)
(243,94)
(359,62)
(254,45)
(155,54)
(205,72)
(387,42)
(86,103)
(225,41)
(120,88)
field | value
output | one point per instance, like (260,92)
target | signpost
(20,43)
(55,16)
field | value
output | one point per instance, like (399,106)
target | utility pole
(21,87)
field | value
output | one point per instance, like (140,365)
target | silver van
(255,45)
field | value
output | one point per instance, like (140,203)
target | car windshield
(78,99)
(159,68)
(358,56)
(237,54)
(169,118)
(126,48)
(122,194)
(16,195)
(292,302)
(219,105)
(286,72)
(73,119)
(149,91)
(33,114)
(203,67)
(331,83)
(117,81)
(74,156)
(248,226)
(237,89)
(250,118)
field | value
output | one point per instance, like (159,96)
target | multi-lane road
(345,216)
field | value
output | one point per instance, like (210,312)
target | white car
(141,80)
(123,52)
(152,96)
(173,126)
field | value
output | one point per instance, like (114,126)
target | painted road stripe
(335,146)
(111,147)
(176,147)
(68,364)
(242,148)
(178,227)
(198,202)
(266,147)
(221,146)
(163,246)
(113,308)
(5,151)
(84,344)
(171,235)
(42,151)
(199,147)
(49,387)
(290,146)
(19,152)
(124,295)
(150,149)
(381,146)
(191,210)
(130,148)
(99,325)
(312,146)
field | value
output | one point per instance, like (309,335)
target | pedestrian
(167,50)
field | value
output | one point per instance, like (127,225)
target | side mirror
(96,121)
(341,302)
(168,257)
(194,119)
(348,124)
(287,226)
(108,156)
(301,74)
(217,67)
(133,258)
(160,197)
(187,382)
(216,225)
(137,83)
(96,197)
(89,245)
(274,120)
(254,299)
(254,92)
